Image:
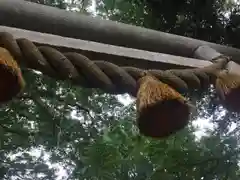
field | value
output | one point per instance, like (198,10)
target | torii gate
(156,67)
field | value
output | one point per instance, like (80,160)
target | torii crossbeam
(40,18)
(55,41)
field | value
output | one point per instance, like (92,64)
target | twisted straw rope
(102,74)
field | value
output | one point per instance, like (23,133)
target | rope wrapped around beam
(102,74)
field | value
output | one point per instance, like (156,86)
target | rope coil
(161,108)
(102,74)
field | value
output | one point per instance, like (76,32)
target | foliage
(94,137)
(103,142)
(55,3)
(200,19)
(73,5)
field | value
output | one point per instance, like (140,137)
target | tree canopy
(91,135)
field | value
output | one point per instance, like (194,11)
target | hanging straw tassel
(11,80)
(228,89)
(162,111)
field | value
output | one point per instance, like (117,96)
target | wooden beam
(119,55)
(32,16)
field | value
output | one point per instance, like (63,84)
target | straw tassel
(11,80)
(161,110)
(228,89)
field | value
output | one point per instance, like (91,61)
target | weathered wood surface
(31,16)
(119,55)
